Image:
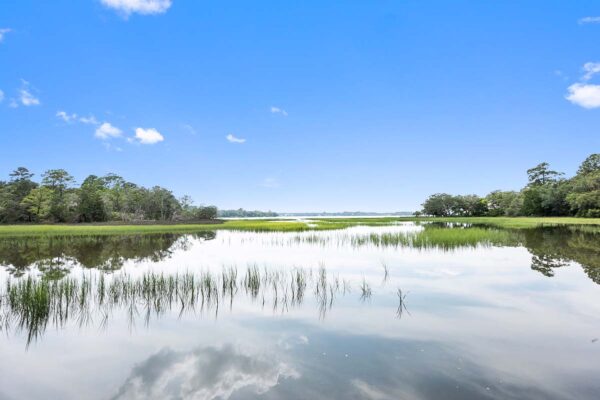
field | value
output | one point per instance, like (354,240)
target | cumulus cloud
(3,32)
(232,139)
(277,110)
(584,95)
(66,116)
(145,7)
(589,20)
(204,373)
(107,131)
(148,136)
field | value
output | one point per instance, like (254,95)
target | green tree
(499,203)
(439,205)
(590,165)
(91,204)
(58,181)
(12,193)
(206,212)
(38,203)
(542,174)
(584,196)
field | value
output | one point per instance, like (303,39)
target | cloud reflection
(203,373)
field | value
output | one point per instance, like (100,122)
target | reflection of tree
(555,247)
(54,255)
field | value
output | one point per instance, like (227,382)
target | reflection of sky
(482,324)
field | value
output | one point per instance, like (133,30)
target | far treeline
(98,199)
(548,193)
(241,213)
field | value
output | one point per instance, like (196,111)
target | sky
(300,106)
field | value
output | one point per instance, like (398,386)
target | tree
(439,205)
(38,203)
(469,206)
(206,212)
(58,181)
(584,196)
(542,174)
(590,165)
(499,203)
(13,193)
(91,205)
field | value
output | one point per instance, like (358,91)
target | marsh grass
(436,236)
(30,304)
(401,304)
(282,225)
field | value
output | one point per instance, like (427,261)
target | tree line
(56,198)
(548,193)
(241,213)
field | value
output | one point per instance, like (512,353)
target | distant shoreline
(276,225)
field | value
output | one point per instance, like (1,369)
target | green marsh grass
(281,225)
(30,304)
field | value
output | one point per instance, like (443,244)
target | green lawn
(266,225)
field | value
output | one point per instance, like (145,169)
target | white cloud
(589,20)
(66,117)
(232,139)
(148,136)
(591,69)
(25,95)
(584,95)
(145,7)
(91,120)
(107,131)
(277,110)
(4,31)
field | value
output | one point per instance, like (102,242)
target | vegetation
(98,199)
(8,231)
(31,304)
(546,194)
(241,213)
(141,229)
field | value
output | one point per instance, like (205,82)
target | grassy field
(267,225)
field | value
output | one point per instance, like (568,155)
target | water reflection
(203,373)
(551,247)
(55,256)
(31,304)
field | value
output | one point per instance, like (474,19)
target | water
(396,312)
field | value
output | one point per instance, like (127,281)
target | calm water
(397,312)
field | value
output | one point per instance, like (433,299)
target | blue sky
(300,106)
